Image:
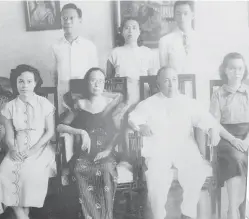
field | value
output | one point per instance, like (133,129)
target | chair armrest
(60,157)
(135,146)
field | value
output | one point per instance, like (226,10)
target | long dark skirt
(232,162)
(97,184)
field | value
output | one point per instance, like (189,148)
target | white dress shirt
(171,121)
(172,53)
(72,61)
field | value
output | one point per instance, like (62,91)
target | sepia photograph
(124,109)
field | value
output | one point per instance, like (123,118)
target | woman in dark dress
(95,138)
(230,106)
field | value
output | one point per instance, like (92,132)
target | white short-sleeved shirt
(72,61)
(132,62)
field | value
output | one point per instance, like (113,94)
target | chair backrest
(135,146)
(184,80)
(51,94)
(117,85)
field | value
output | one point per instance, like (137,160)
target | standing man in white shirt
(166,120)
(74,55)
(183,48)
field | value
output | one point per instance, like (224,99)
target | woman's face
(131,31)
(96,83)
(235,70)
(26,83)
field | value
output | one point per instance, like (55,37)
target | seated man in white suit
(166,120)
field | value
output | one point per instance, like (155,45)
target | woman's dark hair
(86,93)
(15,73)
(223,66)
(72,6)
(120,41)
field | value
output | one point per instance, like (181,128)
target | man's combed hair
(72,6)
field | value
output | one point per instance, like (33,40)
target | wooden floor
(172,207)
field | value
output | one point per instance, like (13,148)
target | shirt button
(26,121)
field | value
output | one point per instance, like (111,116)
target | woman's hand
(28,152)
(16,156)
(102,155)
(245,145)
(238,144)
(145,130)
(86,141)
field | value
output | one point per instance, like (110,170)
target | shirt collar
(242,89)
(189,34)
(32,101)
(77,40)
(161,95)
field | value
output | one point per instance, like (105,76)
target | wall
(18,46)
(225,27)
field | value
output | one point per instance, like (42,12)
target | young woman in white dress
(29,125)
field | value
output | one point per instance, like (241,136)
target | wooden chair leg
(219,202)
(213,201)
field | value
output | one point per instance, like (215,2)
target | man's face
(168,82)
(183,16)
(70,20)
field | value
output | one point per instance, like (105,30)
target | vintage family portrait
(124,109)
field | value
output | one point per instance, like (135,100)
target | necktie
(185,43)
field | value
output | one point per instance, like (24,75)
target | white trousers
(159,176)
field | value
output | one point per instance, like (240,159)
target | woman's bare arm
(9,133)
(64,126)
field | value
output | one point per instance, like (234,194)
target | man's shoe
(185,217)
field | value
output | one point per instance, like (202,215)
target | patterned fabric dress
(96,180)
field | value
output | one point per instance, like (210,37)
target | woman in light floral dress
(29,125)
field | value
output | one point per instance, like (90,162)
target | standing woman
(29,125)
(130,60)
(230,106)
